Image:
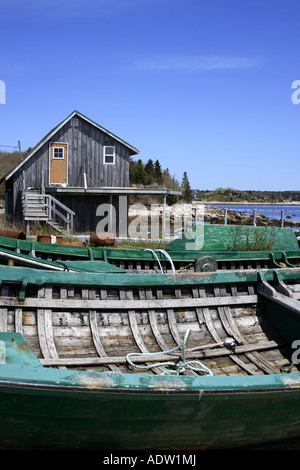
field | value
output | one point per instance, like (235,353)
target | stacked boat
(190,347)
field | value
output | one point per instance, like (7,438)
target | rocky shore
(196,211)
(216,215)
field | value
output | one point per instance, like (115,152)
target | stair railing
(54,212)
(52,209)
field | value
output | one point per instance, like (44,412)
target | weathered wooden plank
(135,330)
(206,353)
(132,321)
(255,358)
(212,330)
(44,323)
(153,323)
(195,293)
(173,326)
(97,339)
(126,304)
(3,319)
(19,320)
(233,331)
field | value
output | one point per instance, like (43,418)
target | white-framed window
(109,154)
(58,153)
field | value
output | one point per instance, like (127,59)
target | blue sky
(203,86)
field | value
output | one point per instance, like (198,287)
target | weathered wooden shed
(77,167)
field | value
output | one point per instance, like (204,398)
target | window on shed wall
(109,154)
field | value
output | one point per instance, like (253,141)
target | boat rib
(98,326)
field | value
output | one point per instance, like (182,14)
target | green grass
(258,240)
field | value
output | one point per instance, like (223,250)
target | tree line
(9,160)
(152,174)
(235,195)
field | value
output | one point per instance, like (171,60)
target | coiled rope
(180,366)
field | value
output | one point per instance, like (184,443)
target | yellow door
(58,164)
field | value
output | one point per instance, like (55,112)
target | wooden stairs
(44,207)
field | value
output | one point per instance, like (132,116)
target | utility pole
(20,153)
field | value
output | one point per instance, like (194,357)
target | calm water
(271,211)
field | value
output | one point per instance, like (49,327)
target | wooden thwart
(98,304)
(203,354)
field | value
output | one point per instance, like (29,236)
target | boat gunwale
(87,252)
(181,385)
(83,380)
(41,277)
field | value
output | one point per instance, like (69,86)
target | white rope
(169,258)
(180,367)
(156,257)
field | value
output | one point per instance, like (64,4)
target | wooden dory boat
(114,361)
(180,256)
(10,258)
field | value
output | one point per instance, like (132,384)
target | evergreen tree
(139,173)
(149,168)
(186,188)
(132,167)
(157,172)
(149,172)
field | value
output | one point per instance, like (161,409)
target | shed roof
(132,150)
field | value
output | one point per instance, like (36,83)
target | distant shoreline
(231,203)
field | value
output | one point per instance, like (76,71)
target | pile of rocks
(213,215)
(216,215)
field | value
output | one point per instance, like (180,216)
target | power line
(15,147)
(12,146)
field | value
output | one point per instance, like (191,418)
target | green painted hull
(43,408)
(48,408)
(210,256)
(28,276)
